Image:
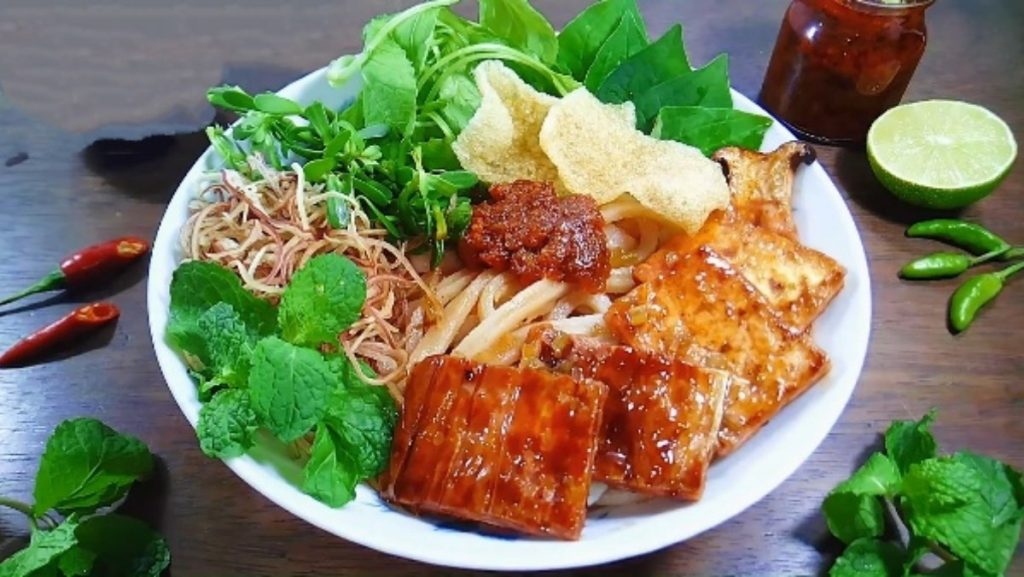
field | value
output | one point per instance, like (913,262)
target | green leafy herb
(711,128)
(663,59)
(226,424)
(582,38)
(965,507)
(364,417)
(227,345)
(123,546)
(389,88)
(331,474)
(521,26)
(628,38)
(289,387)
(706,87)
(322,300)
(87,465)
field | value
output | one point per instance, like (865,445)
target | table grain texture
(101,111)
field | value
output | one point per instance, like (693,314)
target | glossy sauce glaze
(839,64)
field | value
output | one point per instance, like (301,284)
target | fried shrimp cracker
(500,142)
(599,154)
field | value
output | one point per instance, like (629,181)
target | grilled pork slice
(797,281)
(660,423)
(702,310)
(761,185)
(508,447)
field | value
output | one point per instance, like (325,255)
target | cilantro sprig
(280,370)
(86,469)
(963,509)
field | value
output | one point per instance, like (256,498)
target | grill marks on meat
(703,311)
(661,420)
(508,447)
(527,229)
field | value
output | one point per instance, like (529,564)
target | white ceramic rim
(794,434)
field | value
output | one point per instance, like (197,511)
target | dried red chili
(88,266)
(81,321)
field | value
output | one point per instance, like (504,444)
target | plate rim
(567,554)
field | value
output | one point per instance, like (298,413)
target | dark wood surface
(77,77)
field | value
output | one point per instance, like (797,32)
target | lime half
(940,154)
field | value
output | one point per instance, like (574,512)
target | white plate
(733,484)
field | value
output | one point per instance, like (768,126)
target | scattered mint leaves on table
(965,508)
(86,468)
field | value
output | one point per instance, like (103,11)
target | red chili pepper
(81,321)
(88,266)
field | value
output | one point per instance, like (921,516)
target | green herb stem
(19,506)
(483,51)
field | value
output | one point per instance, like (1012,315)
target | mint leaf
(968,504)
(710,129)
(628,38)
(226,424)
(878,476)
(43,552)
(330,475)
(198,286)
(583,36)
(851,517)
(869,558)
(76,562)
(661,61)
(323,299)
(227,344)
(853,509)
(706,87)
(520,26)
(389,88)
(289,387)
(363,419)
(124,547)
(87,465)
(910,442)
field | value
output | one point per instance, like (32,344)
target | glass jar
(839,64)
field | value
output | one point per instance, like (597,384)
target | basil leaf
(628,38)
(706,87)
(710,129)
(322,300)
(658,62)
(87,465)
(582,38)
(520,26)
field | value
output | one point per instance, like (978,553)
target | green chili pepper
(975,293)
(936,265)
(971,237)
(944,264)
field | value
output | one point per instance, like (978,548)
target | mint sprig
(965,509)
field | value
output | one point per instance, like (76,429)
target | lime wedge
(940,154)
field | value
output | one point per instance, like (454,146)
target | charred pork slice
(703,309)
(661,420)
(797,281)
(513,448)
(761,184)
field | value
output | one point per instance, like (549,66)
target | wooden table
(76,76)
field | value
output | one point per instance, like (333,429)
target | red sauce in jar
(839,64)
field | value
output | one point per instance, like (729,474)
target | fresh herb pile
(391,147)
(279,370)
(87,467)
(964,508)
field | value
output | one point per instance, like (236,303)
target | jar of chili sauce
(839,64)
